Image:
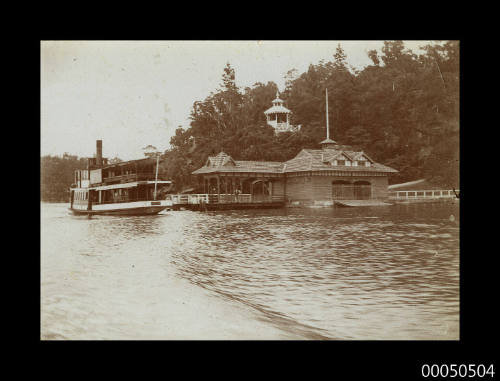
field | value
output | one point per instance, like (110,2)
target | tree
(373,55)
(340,59)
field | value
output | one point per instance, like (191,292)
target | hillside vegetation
(56,176)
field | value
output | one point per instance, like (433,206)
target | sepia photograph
(250,190)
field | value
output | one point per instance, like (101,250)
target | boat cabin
(123,182)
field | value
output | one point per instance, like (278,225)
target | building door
(260,191)
(362,190)
(342,190)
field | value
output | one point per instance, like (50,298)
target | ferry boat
(125,188)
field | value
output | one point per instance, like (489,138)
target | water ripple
(352,273)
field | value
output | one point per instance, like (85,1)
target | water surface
(341,273)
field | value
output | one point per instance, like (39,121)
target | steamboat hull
(141,211)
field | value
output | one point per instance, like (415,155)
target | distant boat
(124,188)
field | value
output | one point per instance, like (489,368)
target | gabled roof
(303,160)
(336,154)
(359,156)
(314,160)
(306,160)
(221,159)
(225,163)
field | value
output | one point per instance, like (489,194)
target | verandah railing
(423,194)
(128,177)
(223,198)
(118,199)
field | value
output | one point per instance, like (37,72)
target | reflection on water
(343,273)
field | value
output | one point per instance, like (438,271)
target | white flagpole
(327,128)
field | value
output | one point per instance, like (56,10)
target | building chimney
(99,153)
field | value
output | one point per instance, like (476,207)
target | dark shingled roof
(306,160)
(221,159)
(224,163)
(318,160)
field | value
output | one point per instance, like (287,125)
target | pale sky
(134,93)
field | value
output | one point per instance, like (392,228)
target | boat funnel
(98,153)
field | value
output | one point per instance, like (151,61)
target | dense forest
(402,110)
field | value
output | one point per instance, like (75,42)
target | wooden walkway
(225,201)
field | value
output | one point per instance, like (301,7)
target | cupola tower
(278,116)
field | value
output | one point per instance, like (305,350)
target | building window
(340,162)
(362,163)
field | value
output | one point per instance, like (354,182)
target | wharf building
(315,176)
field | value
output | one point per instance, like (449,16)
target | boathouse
(333,172)
(330,173)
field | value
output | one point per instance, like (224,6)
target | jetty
(421,191)
(206,201)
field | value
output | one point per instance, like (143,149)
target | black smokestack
(98,155)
